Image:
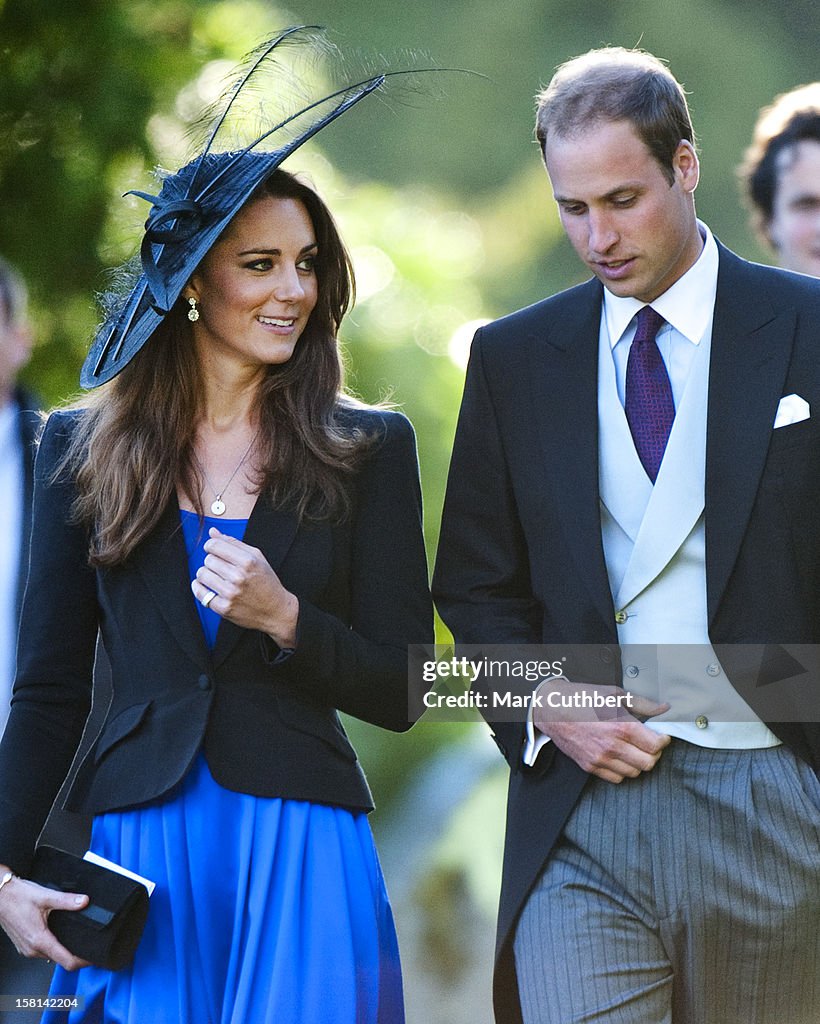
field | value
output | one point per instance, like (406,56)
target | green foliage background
(441,195)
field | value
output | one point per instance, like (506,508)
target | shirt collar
(687,305)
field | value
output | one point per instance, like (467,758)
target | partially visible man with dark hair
(18,423)
(780,176)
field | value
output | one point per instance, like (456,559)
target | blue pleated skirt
(266,911)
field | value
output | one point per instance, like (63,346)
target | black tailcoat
(521,557)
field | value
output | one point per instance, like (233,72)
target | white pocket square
(792,409)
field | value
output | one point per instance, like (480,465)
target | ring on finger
(206,600)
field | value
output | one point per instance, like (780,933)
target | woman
(247,540)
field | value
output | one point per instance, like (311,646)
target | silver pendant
(218,506)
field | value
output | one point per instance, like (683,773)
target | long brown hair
(134,441)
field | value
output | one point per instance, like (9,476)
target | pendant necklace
(218,505)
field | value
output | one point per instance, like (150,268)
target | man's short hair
(616,84)
(13,294)
(791,118)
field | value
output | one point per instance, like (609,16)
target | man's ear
(767,228)
(21,344)
(686,166)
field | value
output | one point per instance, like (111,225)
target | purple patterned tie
(650,408)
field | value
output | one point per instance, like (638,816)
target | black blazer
(268,726)
(521,558)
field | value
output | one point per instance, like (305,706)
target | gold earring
(193,312)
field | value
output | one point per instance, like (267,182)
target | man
(781,177)
(630,480)
(18,423)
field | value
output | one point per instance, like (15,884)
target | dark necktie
(650,408)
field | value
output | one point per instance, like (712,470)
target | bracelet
(6,879)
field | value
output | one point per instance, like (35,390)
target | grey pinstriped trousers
(690,895)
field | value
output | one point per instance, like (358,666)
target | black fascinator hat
(197,203)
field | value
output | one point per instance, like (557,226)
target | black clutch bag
(108,930)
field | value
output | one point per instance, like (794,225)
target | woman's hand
(24,910)
(246,589)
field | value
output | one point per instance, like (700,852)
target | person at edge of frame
(637,464)
(19,425)
(19,421)
(780,177)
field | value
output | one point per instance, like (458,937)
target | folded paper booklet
(95,858)
(108,930)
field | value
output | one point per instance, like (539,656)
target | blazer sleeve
(482,581)
(361,666)
(52,692)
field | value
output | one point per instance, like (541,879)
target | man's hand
(612,743)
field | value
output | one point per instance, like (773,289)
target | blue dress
(266,911)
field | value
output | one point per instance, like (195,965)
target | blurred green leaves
(439,192)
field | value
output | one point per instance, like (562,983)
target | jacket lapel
(751,351)
(564,390)
(625,488)
(677,498)
(163,563)
(273,532)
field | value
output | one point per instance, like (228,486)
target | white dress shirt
(688,309)
(12,487)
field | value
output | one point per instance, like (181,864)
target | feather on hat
(197,203)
